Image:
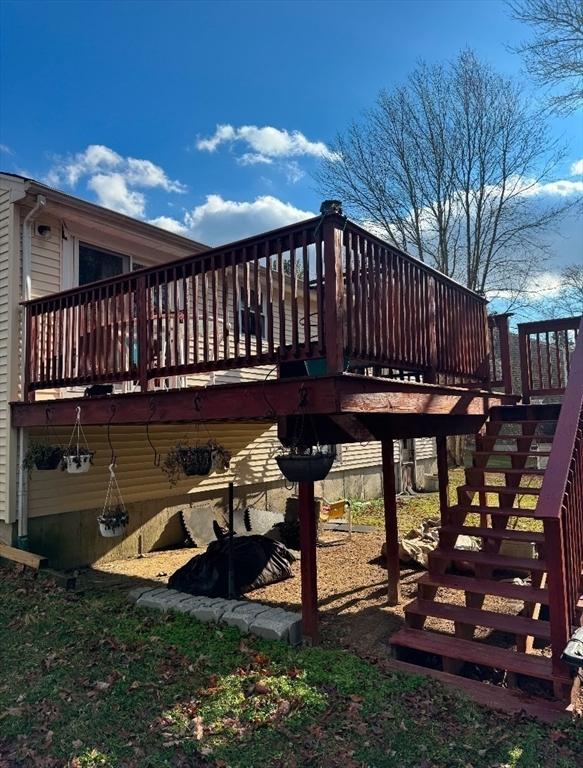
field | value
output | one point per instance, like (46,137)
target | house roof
(34,187)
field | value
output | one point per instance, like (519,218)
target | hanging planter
(77,458)
(78,461)
(114,518)
(114,523)
(43,456)
(297,466)
(187,460)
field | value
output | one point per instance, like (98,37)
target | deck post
(308,562)
(505,362)
(391,527)
(334,321)
(443,477)
(524,349)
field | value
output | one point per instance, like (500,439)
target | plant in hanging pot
(77,459)
(220,456)
(42,456)
(113,521)
(305,464)
(187,460)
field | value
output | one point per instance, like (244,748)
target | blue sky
(149,81)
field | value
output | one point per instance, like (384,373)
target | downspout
(22,496)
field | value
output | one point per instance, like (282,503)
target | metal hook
(157,456)
(113,458)
(303,393)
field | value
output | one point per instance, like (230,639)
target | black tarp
(258,561)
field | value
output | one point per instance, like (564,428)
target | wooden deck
(340,403)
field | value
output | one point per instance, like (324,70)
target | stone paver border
(249,617)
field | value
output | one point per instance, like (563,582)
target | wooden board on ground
(21,556)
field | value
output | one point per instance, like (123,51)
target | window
(250,327)
(98,264)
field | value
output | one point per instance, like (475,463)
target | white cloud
(577,168)
(221,221)
(5,149)
(112,192)
(172,225)
(538,287)
(264,144)
(116,180)
(143,173)
(293,172)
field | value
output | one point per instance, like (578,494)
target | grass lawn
(414,509)
(90,681)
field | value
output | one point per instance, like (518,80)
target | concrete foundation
(72,539)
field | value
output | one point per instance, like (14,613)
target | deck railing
(500,357)
(560,507)
(545,348)
(402,313)
(323,288)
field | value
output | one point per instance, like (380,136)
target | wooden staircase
(493,600)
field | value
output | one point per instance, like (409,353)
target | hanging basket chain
(113,497)
(79,433)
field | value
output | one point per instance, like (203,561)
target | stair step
(492,439)
(503,534)
(507,470)
(508,511)
(486,587)
(512,453)
(522,421)
(473,652)
(493,559)
(520,489)
(501,622)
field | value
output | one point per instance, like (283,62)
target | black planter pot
(311,467)
(197,461)
(50,461)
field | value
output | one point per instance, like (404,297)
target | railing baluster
(257,302)
(269,300)
(307,297)
(281,299)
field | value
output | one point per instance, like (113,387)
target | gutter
(22,493)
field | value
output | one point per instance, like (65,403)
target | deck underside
(345,407)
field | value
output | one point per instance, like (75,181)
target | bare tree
(554,57)
(448,167)
(569,301)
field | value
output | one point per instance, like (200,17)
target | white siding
(45,268)
(425,448)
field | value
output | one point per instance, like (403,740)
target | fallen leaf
(261,687)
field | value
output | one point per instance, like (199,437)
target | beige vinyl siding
(425,448)
(6,308)
(359,455)
(45,267)
(252,445)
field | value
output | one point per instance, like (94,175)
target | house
(52,242)
(318,333)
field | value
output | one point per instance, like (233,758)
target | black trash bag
(257,562)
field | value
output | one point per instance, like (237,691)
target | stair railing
(560,507)
(545,355)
